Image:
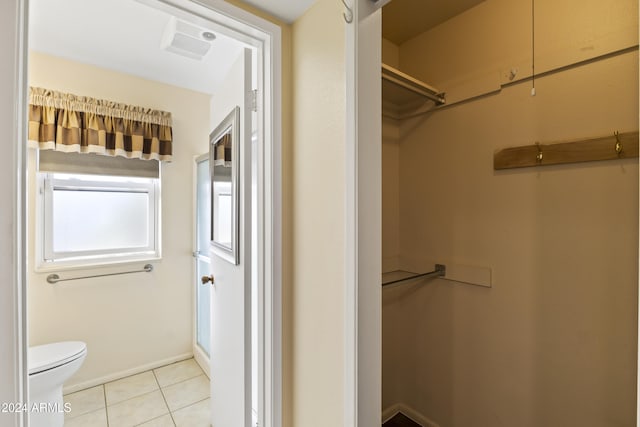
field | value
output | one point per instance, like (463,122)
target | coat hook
(618,144)
(539,155)
(348,15)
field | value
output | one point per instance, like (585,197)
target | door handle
(207,279)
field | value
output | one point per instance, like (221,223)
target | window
(96,219)
(222,212)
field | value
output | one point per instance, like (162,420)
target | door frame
(14,89)
(363,216)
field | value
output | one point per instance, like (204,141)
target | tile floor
(175,395)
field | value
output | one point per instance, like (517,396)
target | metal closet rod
(440,271)
(54,278)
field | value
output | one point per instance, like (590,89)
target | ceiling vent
(186,39)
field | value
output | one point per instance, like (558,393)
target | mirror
(223,166)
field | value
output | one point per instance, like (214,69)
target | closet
(509,271)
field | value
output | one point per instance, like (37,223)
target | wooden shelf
(404,96)
(612,147)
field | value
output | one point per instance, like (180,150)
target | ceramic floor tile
(177,372)
(164,421)
(137,410)
(186,392)
(126,388)
(85,401)
(92,419)
(197,415)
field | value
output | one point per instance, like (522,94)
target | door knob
(207,279)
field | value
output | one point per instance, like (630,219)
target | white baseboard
(416,416)
(71,388)
(202,359)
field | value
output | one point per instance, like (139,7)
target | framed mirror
(224,168)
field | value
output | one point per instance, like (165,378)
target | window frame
(49,260)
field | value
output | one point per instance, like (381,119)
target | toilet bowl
(50,365)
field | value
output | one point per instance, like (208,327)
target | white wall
(130,321)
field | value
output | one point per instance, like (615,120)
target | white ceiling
(287,10)
(124,35)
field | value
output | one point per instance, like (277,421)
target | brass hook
(539,155)
(618,144)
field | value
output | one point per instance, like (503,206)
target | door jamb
(363,252)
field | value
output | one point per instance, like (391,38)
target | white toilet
(50,365)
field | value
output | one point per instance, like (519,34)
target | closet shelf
(397,276)
(404,96)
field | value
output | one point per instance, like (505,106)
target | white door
(230,362)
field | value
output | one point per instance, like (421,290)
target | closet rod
(440,271)
(416,86)
(54,278)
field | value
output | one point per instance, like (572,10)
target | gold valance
(70,123)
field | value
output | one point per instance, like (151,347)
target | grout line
(137,395)
(125,377)
(164,398)
(182,380)
(106,406)
(106,412)
(185,380)
(156,418)
(190,404)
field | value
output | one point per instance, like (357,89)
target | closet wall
(390,176)
(553,342)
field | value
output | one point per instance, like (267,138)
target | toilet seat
(49,356)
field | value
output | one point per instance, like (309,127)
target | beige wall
(390,175)
(553,342)
(390,194)
(474,53)
(390,53)
(318,216)
(128,321)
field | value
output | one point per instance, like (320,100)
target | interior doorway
(264,39)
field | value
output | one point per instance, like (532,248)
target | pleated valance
(70,123)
